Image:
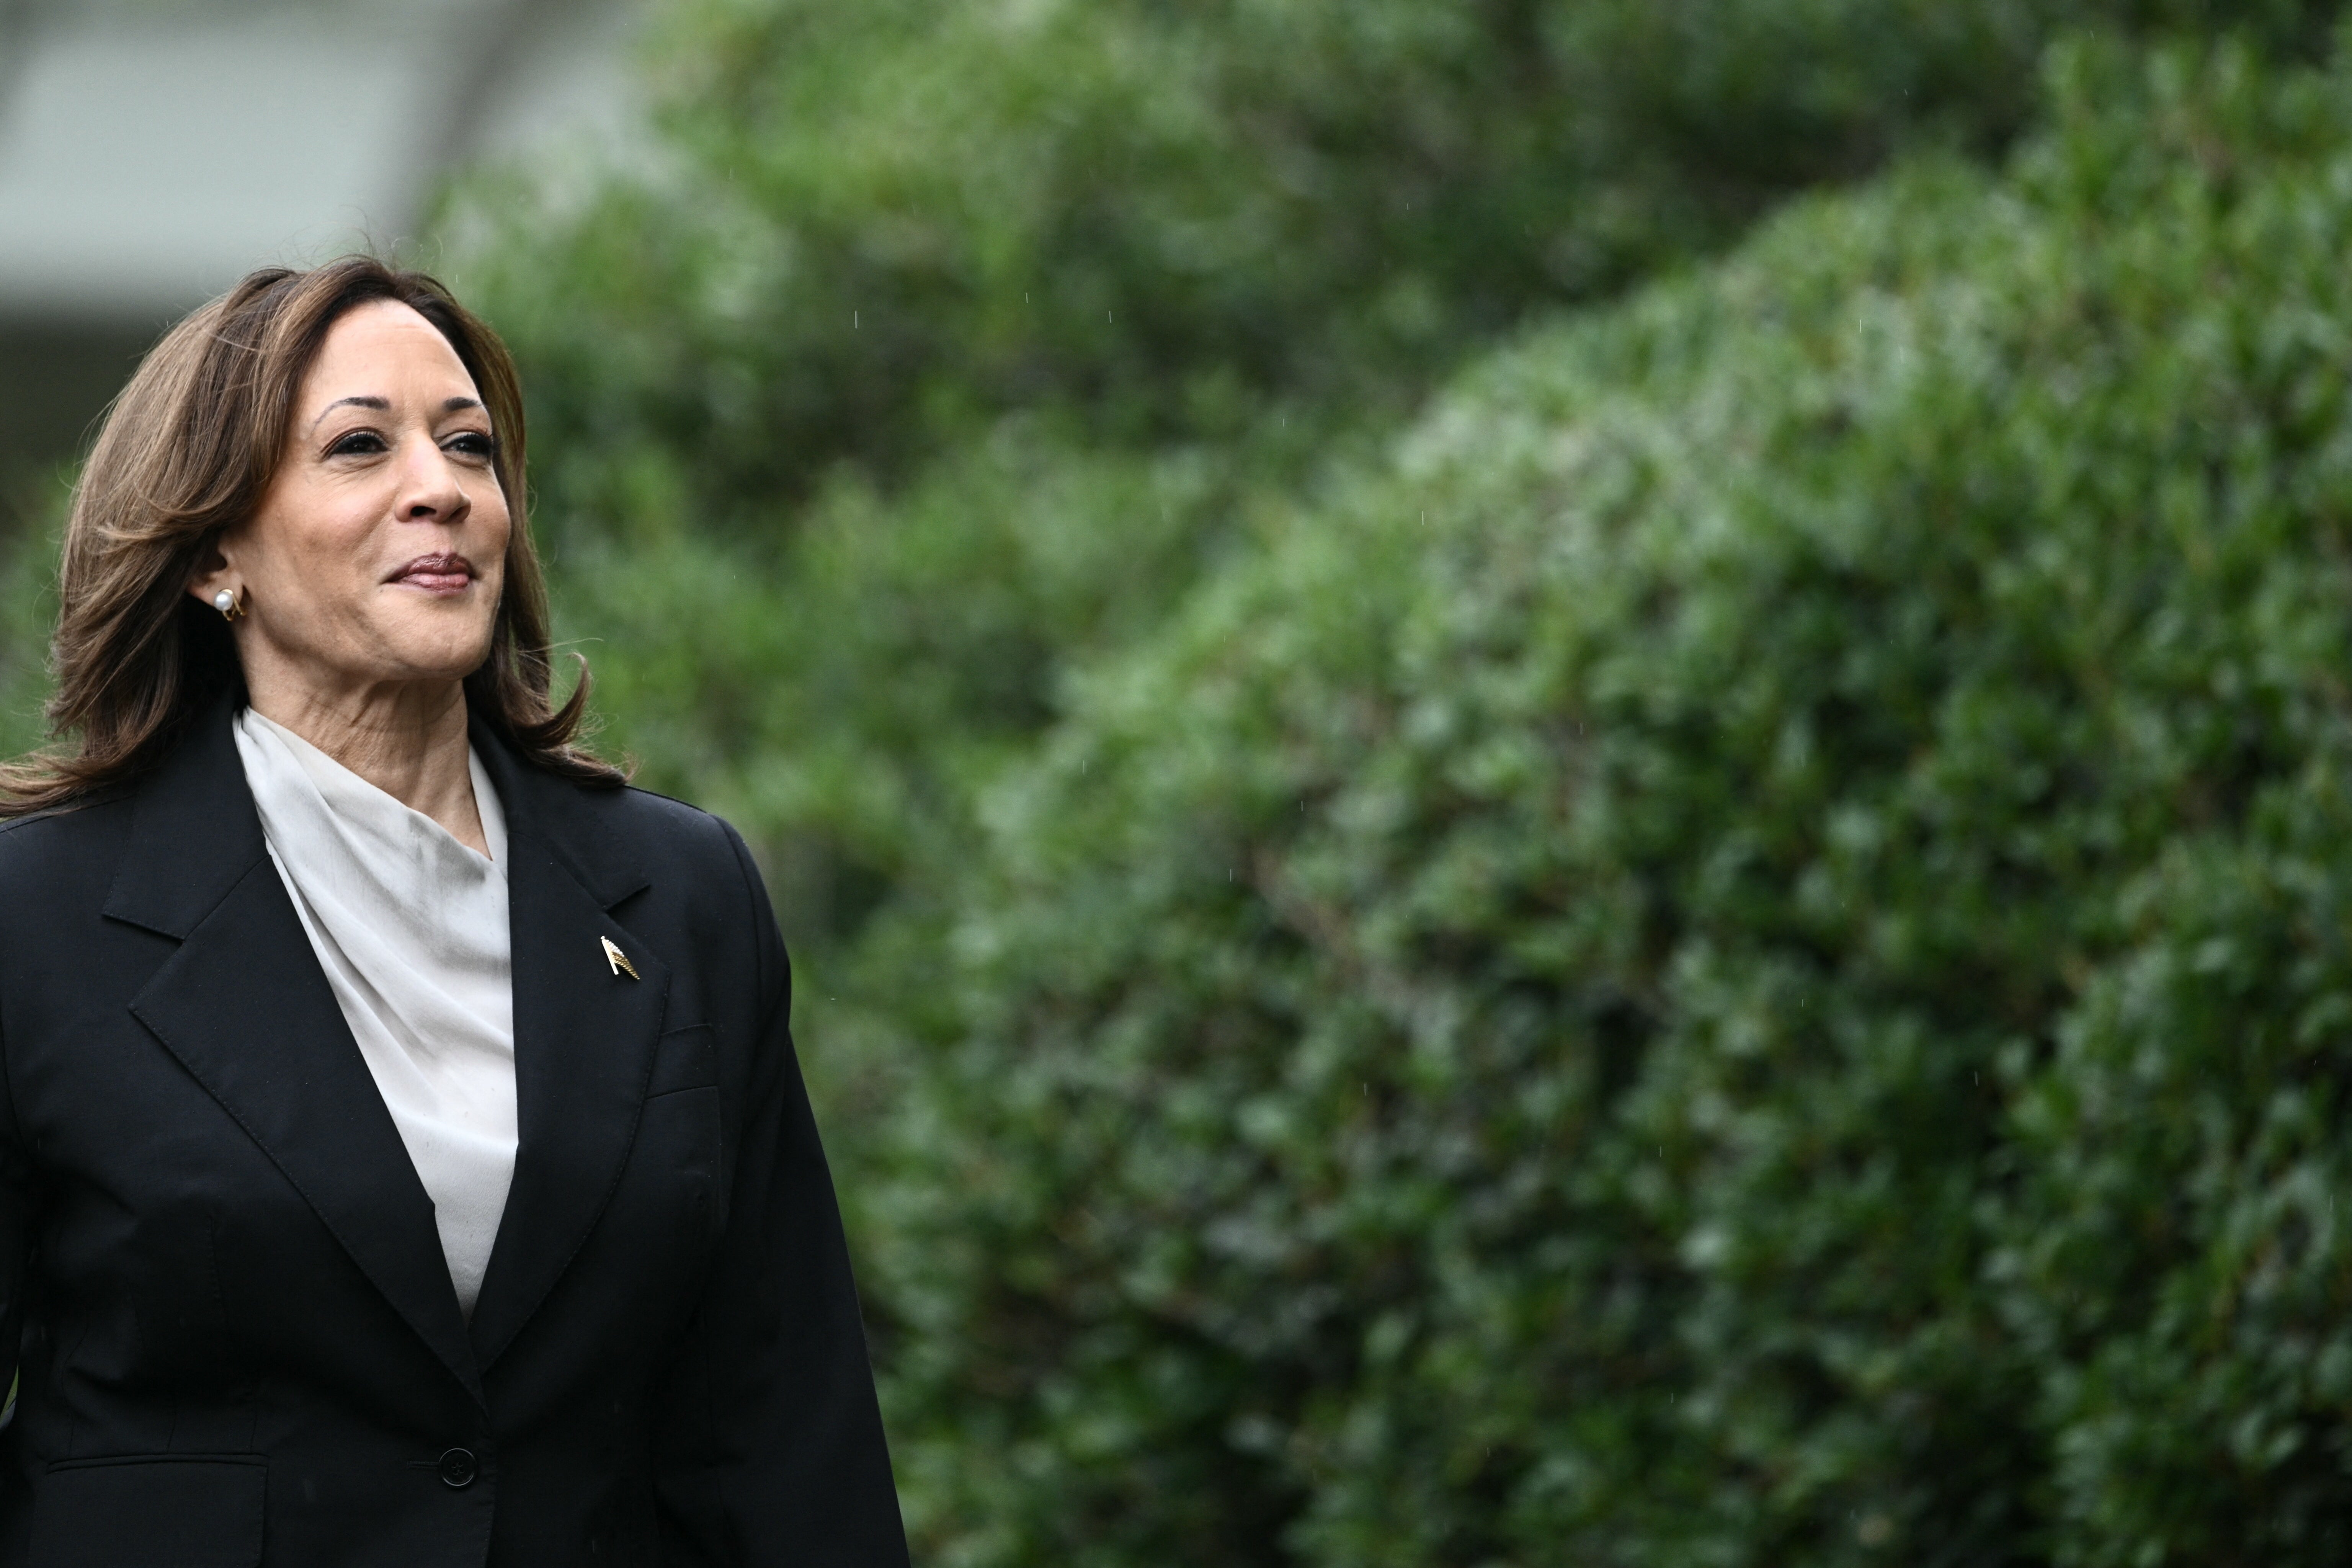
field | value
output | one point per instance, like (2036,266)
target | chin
(435,653)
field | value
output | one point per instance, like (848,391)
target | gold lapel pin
(618,959)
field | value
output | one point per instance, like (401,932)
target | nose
(431,488)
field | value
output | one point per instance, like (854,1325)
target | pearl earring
(226,601)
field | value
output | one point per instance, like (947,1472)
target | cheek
(496,523)
(308,543)
(497,526)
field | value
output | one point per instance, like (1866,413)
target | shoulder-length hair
(187,450)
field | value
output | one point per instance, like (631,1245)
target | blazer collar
(246,1008)
(565,817)
(197,831)
(194,833)
(585,1032)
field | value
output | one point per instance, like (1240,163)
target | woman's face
(378,551)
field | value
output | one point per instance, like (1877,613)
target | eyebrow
(361,401)
(369,400)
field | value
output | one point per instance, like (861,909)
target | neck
(407,739)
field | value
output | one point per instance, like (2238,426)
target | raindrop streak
(853,320)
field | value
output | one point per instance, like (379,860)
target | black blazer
(239,1344)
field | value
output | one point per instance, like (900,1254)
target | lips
(444,573)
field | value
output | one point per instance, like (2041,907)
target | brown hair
(187,450)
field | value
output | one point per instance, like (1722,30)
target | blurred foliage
(880,223)
(28,609)
(1740,953)
(941,345)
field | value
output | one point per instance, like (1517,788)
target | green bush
(940,343)
(877,224)
(1740,954)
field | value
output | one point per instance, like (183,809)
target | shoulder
(48,851)
(621,835)
(657,826)
(58,875)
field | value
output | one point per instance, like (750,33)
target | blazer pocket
(149,1513)
(685,1058)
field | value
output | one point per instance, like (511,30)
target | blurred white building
(153,150)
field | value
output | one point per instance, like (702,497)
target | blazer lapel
(584,1035)
(247,1009)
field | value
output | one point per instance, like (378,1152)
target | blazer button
(458,1468)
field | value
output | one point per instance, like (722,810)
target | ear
(212,573)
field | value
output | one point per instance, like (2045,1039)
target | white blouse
(411,926)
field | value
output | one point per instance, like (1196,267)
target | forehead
(380,347)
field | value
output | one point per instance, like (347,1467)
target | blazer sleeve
(17,1221)
(768,1446)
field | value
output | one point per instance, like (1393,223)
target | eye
(359,443)
(474,443)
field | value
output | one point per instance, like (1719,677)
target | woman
(403,1158)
